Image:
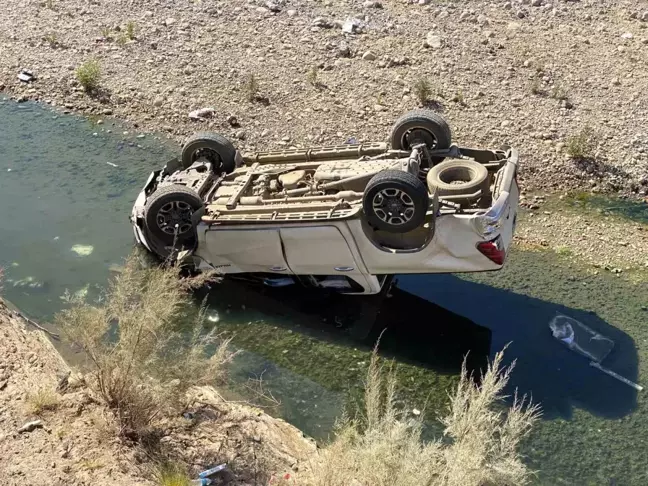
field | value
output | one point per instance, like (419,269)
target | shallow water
(59,193)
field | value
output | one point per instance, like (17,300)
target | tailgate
(501,217)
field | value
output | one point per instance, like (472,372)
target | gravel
(524,73)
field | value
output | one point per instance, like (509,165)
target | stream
(67,185)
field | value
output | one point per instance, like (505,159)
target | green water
(307,353)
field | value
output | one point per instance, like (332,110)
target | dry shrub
(42,400)
(385,447)
(142,360)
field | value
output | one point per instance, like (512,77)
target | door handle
(343,269)
(278,269)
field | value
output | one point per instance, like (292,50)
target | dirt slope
(74,442)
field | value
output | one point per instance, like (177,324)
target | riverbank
(486,69)
(55,432)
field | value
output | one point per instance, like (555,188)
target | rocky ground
(71,440)
(528,73)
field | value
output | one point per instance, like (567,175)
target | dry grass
(384,447)
(251,88)
(582,145)
(142,362)
(42,400)
(171,474)
(423,91)
(89,75)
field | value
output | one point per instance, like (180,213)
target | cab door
(318,250)
(244,250)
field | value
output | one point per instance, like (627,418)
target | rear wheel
(168,215)
(421,126)
(395,201)
(214,148)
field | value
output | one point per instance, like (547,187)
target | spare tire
(395,201)
(455,177)
(211,146)
(421,126)
(170,206)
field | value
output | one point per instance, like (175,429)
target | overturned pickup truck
(342,217)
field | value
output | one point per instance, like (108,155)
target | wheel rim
(393,206)
(419,135)
(175,213)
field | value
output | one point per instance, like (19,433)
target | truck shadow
(556,377)
(434,321)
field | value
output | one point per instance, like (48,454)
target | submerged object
(585,341)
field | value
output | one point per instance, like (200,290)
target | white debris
(83,250)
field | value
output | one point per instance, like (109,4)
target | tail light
(493,250)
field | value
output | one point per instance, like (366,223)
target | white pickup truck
(341,217)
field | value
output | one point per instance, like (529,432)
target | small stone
(273,7)
(379,108)
(322,22)
(291,13)
(158,102)
(107,111)
(527,63)
(372,4)
(616,82)
(508,5)
(644,16)
(483,20)
(202,113)
(627,35)
(536,3)
(369,56)
(169,21)
(433,41)
(464,15)
(240,134)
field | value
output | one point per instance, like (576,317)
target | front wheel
(395,201)
(168,215)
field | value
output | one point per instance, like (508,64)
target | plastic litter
(26,76)
(204,477)
(585,341)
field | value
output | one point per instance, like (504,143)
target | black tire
(454,177)
(395,201)
(167,206)
(423,126)
(214,147)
